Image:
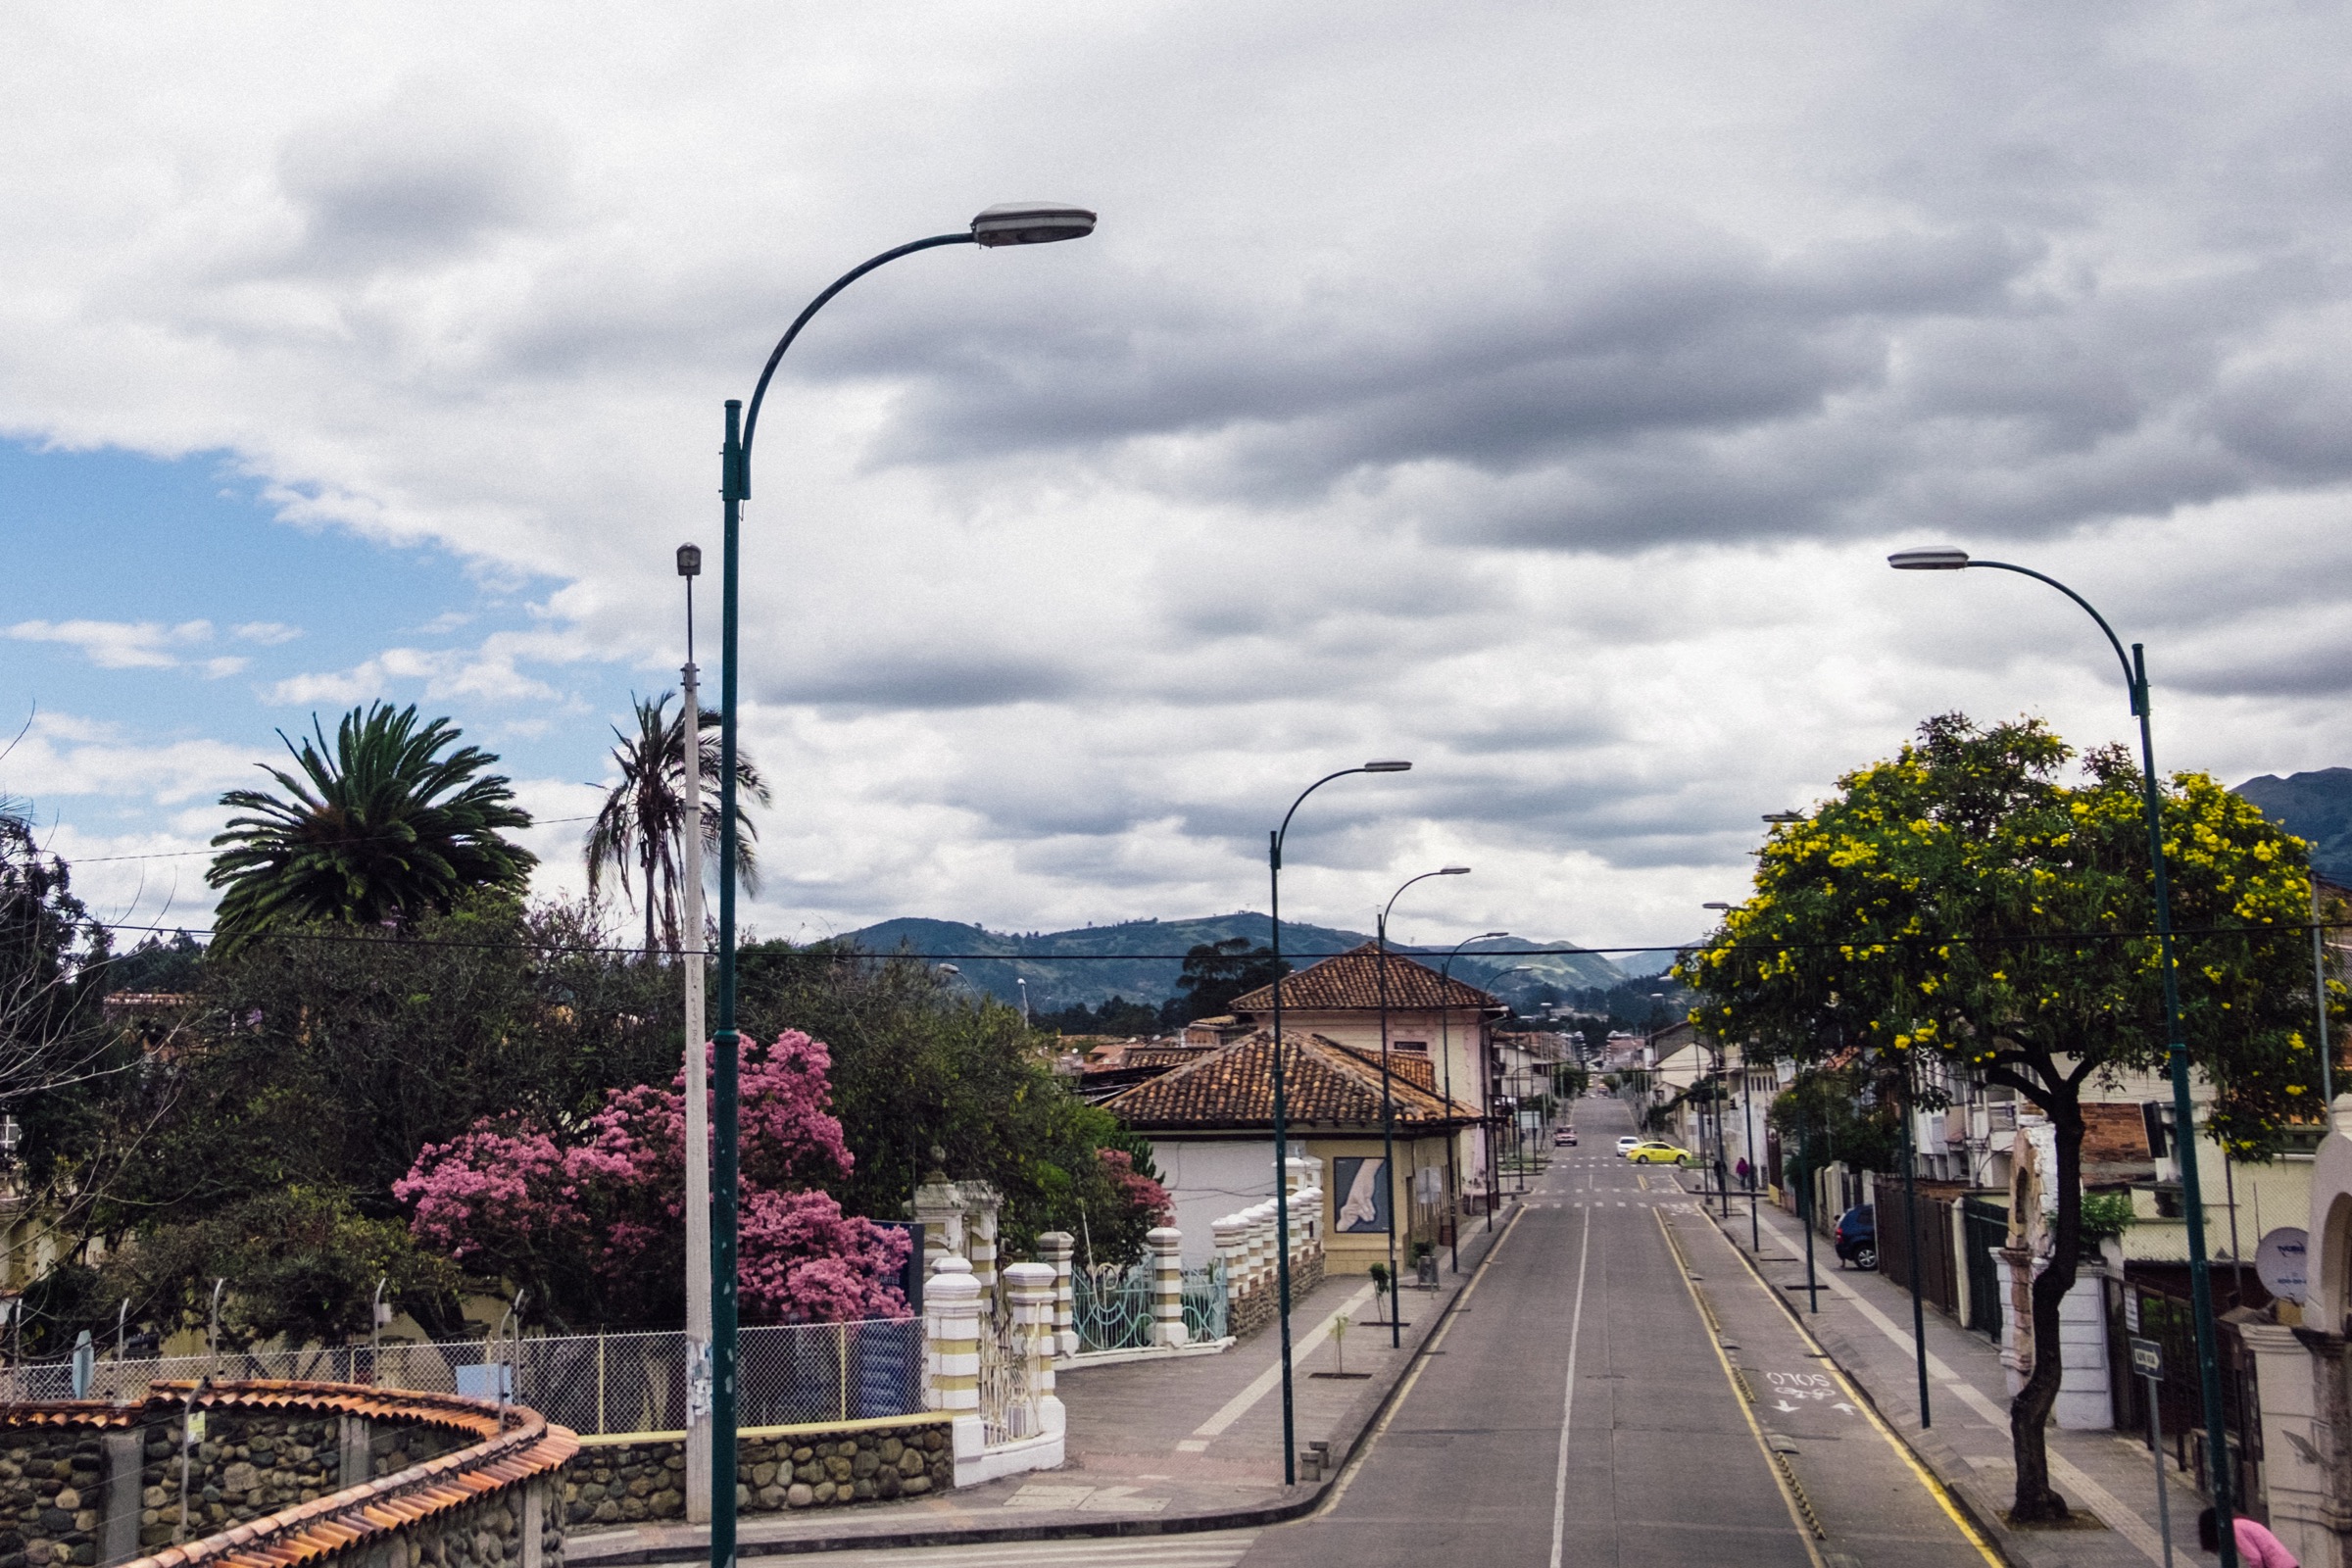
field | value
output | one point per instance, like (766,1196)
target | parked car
(1656,1152)
(1626,1144)
(1565,1137)
(1855,1236)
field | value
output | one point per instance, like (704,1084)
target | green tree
(1216,972)
(50,954)
(381,828)
(637,829)
(1961,903)
(918,1066)
(1838,1116)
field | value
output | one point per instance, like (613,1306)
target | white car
(1626,1143)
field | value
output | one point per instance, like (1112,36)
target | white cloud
(1530,390)
(119,643)
(268,633)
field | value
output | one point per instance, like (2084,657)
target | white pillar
(1055,1249)
(2295,1484)
(1167,1245)
(952,1312)
(980,1225)
(1297,1173)
(1029,1292)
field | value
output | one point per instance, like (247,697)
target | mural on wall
(1361,1181)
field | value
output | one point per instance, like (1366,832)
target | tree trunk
(2029,1411)
(649,907)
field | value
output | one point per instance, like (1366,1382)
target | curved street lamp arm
(2131,681)
(751,415)
(1283,831)
(1400,893)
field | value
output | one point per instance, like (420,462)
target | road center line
(1576,1326)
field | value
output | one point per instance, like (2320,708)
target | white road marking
(1576,1325)
(1217,1550)
(2119,1516)
(1265,1382)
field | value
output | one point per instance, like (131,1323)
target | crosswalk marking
(1219,1549)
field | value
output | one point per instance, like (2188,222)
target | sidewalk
(1865,1325)
(1154,1446)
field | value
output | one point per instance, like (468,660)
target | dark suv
(1856,1237)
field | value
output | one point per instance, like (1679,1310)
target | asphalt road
(1586,1404)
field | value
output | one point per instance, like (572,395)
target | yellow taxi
(1656,1152)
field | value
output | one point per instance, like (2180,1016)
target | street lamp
(1282,1145)
(1007,224)
(1748,1124)
(1388,1099)
(1445,1052)
(1946,557)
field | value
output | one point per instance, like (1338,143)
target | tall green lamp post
(1454,1185)
(1011,223)
(1944,558)
(1387,1098)
(1281,1122)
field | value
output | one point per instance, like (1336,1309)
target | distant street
(1585,1321)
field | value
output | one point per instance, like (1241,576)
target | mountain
(2311,805)
(1140,960)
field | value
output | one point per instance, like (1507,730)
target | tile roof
(516,1445)
(1326,1085)
(1350,980)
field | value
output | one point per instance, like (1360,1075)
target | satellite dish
(2280,1262)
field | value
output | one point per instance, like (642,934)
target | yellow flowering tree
(1966,899)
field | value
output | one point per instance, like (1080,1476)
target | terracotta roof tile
(1326,1084)
(1350,980)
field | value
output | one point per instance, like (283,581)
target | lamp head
(1484,936)
(1388,768)
(1930,558)
(1031,224)
(690,560)
(1714,905)
(1784,817)
(1454,871)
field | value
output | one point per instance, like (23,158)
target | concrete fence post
(1233,1250)
(1167,1245)
(1055,1249)
(981,1229)
(1297,1173)
(1307,1223)
(951,1312)
(1029,1294)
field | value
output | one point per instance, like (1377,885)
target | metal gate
(1984,1226)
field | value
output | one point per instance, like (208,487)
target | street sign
(2147,1358)
(2130,1310)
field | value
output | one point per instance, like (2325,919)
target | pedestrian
(2257,1548)
(1742,1170)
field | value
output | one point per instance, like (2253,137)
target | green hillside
(2316,806)
(1139,959)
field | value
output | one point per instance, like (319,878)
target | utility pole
(697,1093)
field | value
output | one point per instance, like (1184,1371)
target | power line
(181,855)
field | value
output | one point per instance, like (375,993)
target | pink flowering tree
(593,1224)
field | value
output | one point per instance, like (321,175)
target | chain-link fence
(593,1383)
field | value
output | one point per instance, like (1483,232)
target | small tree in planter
(1380,1287)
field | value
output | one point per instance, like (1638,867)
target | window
(1419,1045)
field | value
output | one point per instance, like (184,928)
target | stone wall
(435,1480)
(51,1493)
(252,1462)
(614,1483)
(1250,1309)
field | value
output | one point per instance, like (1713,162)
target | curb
(1937,1461)
(1352,1426)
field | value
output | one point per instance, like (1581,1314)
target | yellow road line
(1780,1480)
(1927,1478)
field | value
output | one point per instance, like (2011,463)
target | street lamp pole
(2200,1272)
(1387,1098)
(1011,223)
(697,1074)
(1282,1125)
(1445,1053)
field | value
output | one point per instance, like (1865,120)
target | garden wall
(622,1481)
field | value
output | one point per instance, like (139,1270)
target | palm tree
(380,828)
(637,831)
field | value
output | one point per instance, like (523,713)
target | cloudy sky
(1528,390)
